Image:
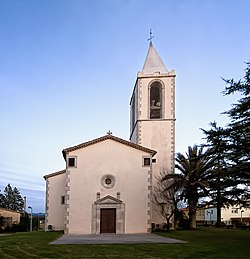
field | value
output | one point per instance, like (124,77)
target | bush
(223,224)
(7,229)
(24,224)
(1,221)
(183,223)
(240,225)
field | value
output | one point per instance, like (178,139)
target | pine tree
(2,200)
(231,145)
(11,199)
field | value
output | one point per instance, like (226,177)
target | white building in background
(229,215)
(108,183)
(210,215)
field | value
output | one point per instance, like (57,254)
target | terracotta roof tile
(103,138)
(54,174)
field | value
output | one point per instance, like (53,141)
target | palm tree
(192,180)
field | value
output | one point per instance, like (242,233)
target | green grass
(202,243)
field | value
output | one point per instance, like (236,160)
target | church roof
(153,62)
(54,174)
(103,138)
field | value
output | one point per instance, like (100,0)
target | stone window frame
(145,158)
(75,161)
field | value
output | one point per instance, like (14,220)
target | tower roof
(153,62)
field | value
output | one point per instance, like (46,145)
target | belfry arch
(156,99)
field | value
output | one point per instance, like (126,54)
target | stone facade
(55,208)
(109,172)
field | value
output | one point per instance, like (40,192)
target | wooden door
(108,221)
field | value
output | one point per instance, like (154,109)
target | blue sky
(67,70)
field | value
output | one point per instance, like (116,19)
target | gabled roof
(153,62)
(54,174)
(106,137)
(107,200)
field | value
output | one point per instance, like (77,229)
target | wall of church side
(55,211)
(132,186)
(67,193)
(47,205)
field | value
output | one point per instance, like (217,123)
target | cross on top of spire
(150,36)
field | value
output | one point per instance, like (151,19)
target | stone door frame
(108,202)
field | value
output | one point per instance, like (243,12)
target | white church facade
(108,183)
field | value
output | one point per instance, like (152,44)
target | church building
(108,184)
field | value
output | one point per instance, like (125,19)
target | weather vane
(150,36)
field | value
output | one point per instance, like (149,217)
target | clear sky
(68,67)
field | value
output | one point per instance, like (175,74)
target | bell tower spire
(153,63)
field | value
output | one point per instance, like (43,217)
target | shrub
(240,225)
(183,223)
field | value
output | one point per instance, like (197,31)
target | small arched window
(156,100)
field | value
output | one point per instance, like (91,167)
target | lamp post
(24,205)
(31,210)
(38,221)
(241,215)
(209,212)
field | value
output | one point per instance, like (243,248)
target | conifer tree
(231,145)
(11,199)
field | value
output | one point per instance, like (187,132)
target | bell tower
(152,116)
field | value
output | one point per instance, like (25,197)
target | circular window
(108,181)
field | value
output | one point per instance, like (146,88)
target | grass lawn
(202,243)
